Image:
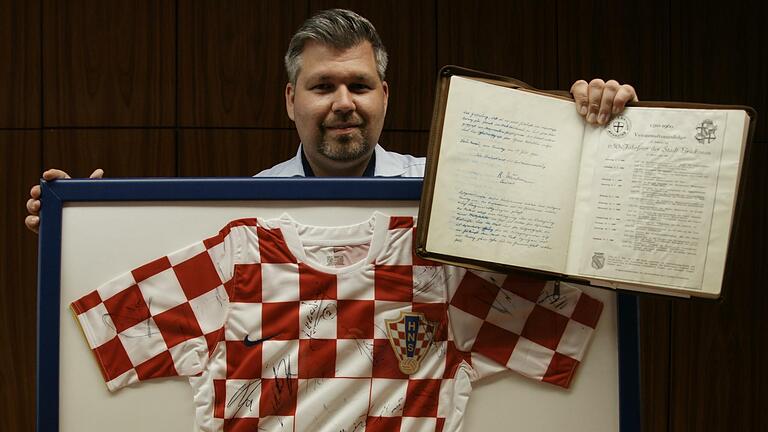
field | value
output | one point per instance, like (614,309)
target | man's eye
(322,87)
(359,87)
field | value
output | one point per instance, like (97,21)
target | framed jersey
(299,305)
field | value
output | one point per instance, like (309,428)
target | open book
(516,179)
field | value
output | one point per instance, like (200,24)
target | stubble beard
(345,148)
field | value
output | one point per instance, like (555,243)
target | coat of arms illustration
(619,127)
(411,338)
(705,132)
(598,260)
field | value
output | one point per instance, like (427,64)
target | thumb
(580,90)
(53,174)
(97,173)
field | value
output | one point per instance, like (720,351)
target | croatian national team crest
(411,338)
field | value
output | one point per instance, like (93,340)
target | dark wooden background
(195,88)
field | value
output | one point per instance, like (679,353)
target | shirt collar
(388,164)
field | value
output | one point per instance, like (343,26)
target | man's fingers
(32,223)
(626,93)
(606,103)
(595,98)
(33,206)
(579,92)
(53,174)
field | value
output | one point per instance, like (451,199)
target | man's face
(338,105)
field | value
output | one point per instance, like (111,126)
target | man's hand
(598,100)
(33,204)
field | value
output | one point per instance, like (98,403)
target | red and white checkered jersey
(288,327)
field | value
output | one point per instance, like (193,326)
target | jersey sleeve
(163,318)
(534,327)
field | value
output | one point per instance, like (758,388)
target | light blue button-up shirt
(388,164)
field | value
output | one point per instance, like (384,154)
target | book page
(647,195)
(506,178)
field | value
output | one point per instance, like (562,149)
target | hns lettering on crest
(411,337)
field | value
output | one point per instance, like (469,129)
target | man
(337,97)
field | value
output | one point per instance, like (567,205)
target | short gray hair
(340,29)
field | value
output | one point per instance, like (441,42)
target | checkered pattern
(276,341)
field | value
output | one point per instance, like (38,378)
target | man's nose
(343,101)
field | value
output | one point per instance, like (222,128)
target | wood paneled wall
(195,88)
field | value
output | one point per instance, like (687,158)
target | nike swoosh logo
(249,343)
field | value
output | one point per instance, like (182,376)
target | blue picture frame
(55,194)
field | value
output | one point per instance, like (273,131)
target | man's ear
(290,93)
(385,87)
